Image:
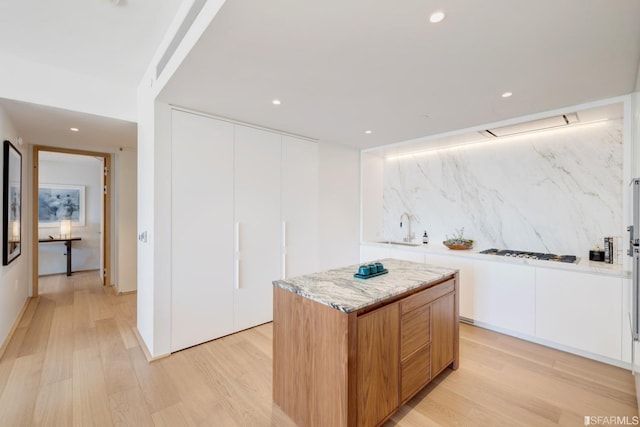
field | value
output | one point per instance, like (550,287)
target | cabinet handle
(236,255)
(284,249)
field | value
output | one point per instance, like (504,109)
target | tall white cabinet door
(299,207)
(202,229)
(258,227)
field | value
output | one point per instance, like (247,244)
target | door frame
(106,206)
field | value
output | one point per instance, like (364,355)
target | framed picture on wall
(11,203)
(57,202)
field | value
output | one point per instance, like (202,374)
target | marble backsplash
(556,191)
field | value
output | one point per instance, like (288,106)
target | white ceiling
(50,126)
(339,67)
(343,67)
(96,38)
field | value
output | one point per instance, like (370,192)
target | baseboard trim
(145,350)
(561,347)
(5,344)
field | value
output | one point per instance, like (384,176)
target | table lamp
(65,229)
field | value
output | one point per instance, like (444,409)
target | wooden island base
(332,368)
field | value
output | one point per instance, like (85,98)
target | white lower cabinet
(407,254)
(466,277)
(580,310)
(505,296)
(374,252)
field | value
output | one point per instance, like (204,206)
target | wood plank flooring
(74,361)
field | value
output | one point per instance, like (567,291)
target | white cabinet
(374,252)
(627,338)
(466,278)
(406,254)
(240,196)
(202,229)
(299,226)
(505,296)
(257,216)
(580,310)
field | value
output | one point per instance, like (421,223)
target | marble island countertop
(340,290)
(584,265)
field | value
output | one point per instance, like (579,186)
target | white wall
(14,278)
(339,206)
(125,271)
(85,253)
(154,221)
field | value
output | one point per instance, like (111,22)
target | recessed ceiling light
(506,94)
(74,129)
(368,132)
(276,102)
(436,17)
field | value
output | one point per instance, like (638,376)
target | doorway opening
(71,213)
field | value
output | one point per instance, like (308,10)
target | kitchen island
(350,352)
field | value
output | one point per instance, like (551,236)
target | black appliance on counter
(530,255)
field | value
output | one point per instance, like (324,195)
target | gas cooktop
(530,255)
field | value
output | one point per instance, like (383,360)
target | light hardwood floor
(74,360)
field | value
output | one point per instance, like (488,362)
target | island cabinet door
(377,365)
(443,330)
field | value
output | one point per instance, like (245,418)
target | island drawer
(416,372)
(426,296)
(415,330)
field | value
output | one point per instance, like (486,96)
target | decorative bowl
(459,246)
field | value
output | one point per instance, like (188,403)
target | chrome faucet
(409,237)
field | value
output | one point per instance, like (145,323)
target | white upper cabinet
(299,227)
(257,181)
(202,229)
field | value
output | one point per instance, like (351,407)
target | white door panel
(202,229)
(257,212)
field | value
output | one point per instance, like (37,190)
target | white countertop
(340,290)
(584,265)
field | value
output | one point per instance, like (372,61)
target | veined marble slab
(557,191)
(340,290)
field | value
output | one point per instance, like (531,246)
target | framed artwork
(11,203)
(57,202)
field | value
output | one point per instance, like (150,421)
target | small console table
(67,243)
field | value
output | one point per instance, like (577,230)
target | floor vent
(467,320)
